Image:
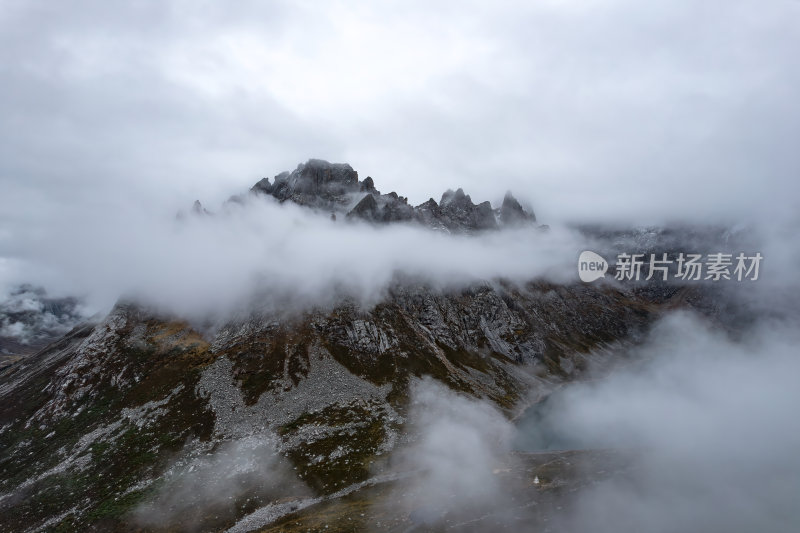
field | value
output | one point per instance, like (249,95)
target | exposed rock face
(458,210)
(315,183)
(512,213)
(336,188)
(366,209)
(110,408)
(368,185)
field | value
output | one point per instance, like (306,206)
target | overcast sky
(639,111)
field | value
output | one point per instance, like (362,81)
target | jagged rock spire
(511,212)
(334,187)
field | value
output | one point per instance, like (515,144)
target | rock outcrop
(335,188)
(511,212)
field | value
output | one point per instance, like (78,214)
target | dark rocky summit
(513,213)
(336,188)
(316,184)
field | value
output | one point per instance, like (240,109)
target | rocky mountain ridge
(335,188)
(113,417)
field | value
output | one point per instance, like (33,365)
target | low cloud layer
(458,442)
(706,428)
(214,263)
(260,252)
(713,425)
(28,316)
(212,488)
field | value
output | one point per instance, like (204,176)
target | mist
(210,487)
(706,426)
(28,315)
(713,425)
(256,251)
(262,249)
(457,443)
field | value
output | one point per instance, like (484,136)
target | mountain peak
(335,188)
(458,197)
(511,212)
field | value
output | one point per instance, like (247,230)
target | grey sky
(639,111)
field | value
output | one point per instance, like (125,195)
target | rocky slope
(124,425)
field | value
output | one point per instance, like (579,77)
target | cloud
(457,441)
(212,488)
(29,316)
(605,109)
(262,249)
(713,425)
